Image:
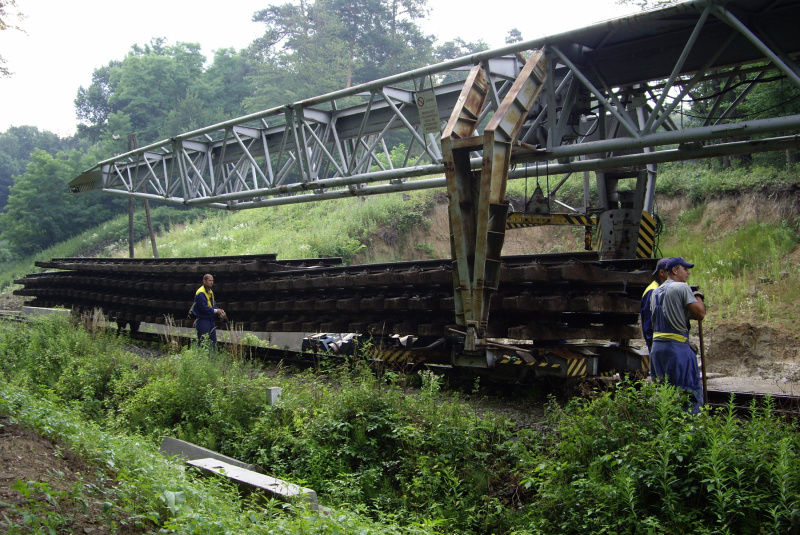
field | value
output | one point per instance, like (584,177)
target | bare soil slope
(734,349)
(26,456)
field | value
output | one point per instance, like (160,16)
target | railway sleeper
(550,299)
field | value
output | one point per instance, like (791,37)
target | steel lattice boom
(612,98)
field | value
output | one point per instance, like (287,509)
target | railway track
(744,403)
(541,297)
(545,306)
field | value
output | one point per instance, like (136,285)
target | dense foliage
(308,48)
(160,89)
(149,493)
(627,461)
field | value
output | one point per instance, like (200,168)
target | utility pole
(133,144)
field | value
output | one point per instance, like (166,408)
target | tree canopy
(16,145)
(158,90)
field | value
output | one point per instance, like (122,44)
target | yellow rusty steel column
(457,143)
(478,207)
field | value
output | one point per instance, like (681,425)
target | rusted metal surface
(559,296)
(478,207)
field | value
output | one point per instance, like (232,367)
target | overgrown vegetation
(700,181)
(747,273)
(339,228)
(105,239)
(149,493)
(412,460)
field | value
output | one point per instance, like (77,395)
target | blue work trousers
(206,328)
(676,362)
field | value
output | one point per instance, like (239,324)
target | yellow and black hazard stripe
(546,366)
(574,368)
(398,356)
(647,236)
(598,236)
(528,219)
(577,368)
(541,365)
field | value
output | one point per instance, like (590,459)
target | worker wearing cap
(672,305)
(659,276)
(206,311)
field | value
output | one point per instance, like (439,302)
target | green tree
(145,86)
(42,212)
(114,139)
(311,48)
(226,83)
(16,145)
(35,215)
(381,36)
(151,81)
(190,113)
(455,49)
(395,43)
(458,47)
(513,36)
(92,105)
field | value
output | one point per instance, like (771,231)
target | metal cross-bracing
(612,99)
(609,99)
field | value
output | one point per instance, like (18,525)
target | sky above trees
(66,41)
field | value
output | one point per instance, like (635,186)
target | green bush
(628,461)
(635,462)
(151,494)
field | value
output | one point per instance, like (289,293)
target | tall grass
(746,273)
(340,228)
(416,460)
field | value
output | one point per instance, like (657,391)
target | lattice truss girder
(612,99)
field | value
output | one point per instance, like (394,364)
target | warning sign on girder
(428,112)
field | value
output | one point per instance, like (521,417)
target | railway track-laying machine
(606,104)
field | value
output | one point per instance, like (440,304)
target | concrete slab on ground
(173,447)
(41,311)
(250,481)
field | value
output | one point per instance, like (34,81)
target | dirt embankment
(745,348)
(740,349)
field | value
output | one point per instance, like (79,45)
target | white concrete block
(254,481)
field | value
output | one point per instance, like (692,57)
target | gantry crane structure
(605,100)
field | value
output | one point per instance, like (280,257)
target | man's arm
(697,310)
(201,306)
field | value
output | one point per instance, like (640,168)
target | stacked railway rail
(540,297)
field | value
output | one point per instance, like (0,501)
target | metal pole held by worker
(703,361)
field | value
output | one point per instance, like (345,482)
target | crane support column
(478,205)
